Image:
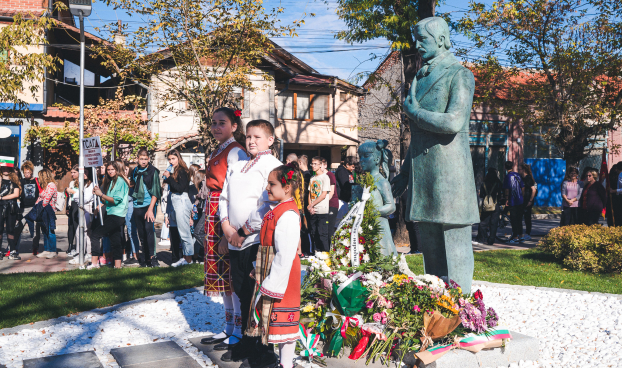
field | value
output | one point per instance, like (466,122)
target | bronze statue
(437,168)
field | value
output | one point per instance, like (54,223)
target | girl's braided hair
(290,174)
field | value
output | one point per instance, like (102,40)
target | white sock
(236,334)
(286,353)
(228,301)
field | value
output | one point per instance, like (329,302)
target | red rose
(283,180)
(478,295)
(237,113)
(290,174)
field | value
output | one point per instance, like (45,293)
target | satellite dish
(5,132)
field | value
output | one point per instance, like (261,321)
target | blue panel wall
(549,174)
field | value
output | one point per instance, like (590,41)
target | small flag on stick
(7,161)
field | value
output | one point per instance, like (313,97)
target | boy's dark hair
(509,165)
(142,152)
(263,124)
(350,160)
(238,133)
(319,158)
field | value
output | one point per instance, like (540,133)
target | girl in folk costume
(227,129)
(276,309)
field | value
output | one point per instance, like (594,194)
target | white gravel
(575,330)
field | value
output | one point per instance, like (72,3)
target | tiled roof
(14,12)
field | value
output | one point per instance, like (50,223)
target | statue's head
(375,155)
(432,37)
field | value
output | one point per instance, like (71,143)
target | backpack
(490,202)
(60,202)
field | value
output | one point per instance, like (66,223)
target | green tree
(205,50)
(562,72)
(23,62)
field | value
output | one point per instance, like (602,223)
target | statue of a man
(437,168)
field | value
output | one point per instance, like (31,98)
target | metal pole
(81,159)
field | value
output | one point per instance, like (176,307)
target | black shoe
(246,348)
(14,256)
(267,359)
(130,261)
(211,340)
(222,346)
(1,255)
(155,263)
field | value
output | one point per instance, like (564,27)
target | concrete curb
(567,291)
(546,216)
(117,307)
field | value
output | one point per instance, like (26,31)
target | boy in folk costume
(276,309)
(227,129)
(243,204)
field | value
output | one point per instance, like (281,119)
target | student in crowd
(305,237)
(164,234)
(30,194)
(492,196)
(179,183)
(319,189)
(228,130)
(198,218)
(47,197)
(612,185)
(592,199)
(291,158)
(345,181)
(278,266)
(333,200)
(571,193)
(531,190)
(10,189)
(113,194)
(514,188)
(145,181)
(71,211)
(73,201)
(130,250)
(242,206)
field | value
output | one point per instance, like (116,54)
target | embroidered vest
(216,170)
(266,235)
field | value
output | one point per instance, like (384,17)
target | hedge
(593,248)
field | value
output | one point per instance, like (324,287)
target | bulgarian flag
(7,161)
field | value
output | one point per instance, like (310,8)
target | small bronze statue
(373,157)
(437,169)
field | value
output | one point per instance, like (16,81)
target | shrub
(589,248)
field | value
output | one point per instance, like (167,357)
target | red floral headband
(288,176)
(237,113)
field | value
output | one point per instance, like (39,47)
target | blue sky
(315,37)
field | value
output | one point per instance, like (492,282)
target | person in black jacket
(491,193)
(306,245)
(592,199)
(179,184)
(345,181)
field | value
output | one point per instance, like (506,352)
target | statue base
(521,347)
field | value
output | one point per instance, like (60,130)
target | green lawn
(534,268)
(31,297)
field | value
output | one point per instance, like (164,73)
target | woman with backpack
(492,195)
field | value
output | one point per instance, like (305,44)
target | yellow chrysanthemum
(308,308)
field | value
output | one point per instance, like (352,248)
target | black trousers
(516,218)
(527,215)
(414,236)
(332,220)
(241,265)
(319,232)
(570,216)
(72,225)
(146,235)
(488,224)
(589,217)
(112,229)
(175,243)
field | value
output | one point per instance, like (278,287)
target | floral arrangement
(395,311)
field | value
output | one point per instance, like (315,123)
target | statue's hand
(411,105)
(399,184)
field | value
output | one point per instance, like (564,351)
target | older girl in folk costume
(276,309)
(227,129)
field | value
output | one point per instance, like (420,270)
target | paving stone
(157,355)
(86,359)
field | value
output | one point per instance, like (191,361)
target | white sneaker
(73,253)
(526,237)
(92,267)
(74,261)
(87,257)
(181,262)
(51,255)
(43,254)
(164,242)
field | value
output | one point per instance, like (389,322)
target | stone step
(165,354)
(85,359)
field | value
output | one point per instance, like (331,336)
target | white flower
(366,258)
(360,230)
(371,227)
(345,242)
(322,255)
(325,268)
(339,251)
(344,261)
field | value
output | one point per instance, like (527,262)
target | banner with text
(92,152)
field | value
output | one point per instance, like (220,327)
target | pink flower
(417,309)
(377,317)
(384,320)
(389,304)
(319,303)
(370,304)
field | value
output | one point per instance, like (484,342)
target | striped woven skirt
(217,275)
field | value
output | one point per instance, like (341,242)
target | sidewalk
(30,263)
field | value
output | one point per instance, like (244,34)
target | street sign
(92,149)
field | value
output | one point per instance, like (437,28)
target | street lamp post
(81,9)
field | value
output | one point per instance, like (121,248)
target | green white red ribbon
(309,341)
(256,315)
(473,343)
